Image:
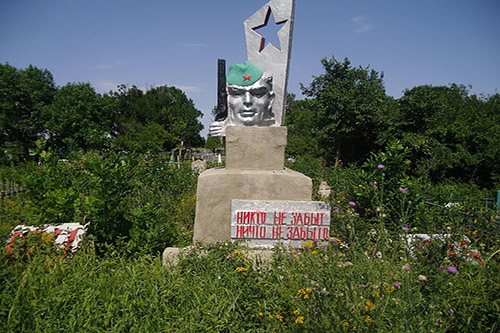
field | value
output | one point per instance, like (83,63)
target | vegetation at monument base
(425,163)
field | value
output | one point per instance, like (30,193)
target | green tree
(353,113)
(301,121)
(213,143)
(78,118)
(453,135)
(23,95)
(166,106)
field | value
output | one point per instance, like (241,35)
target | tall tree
(454,135)
(78,118)
(353,110)
(166,106)
(23,95)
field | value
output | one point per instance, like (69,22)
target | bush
(132,203)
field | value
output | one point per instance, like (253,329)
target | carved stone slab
(267,223)
(272,59)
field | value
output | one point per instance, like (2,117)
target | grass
(328,288)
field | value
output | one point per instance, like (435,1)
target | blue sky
(148,43)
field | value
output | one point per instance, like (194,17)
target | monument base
(218,187)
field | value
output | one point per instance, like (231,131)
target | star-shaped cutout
(246,78)
(271,30)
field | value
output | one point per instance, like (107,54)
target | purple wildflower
(403,190)
(341,213)
(396,285)
(452,270)
(351,203)
(362,285)
(336,208)
(380,166)
(449,312)
(405,227)
(442,267)
(372,184)
(316,313)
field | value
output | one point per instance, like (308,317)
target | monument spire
(273,59)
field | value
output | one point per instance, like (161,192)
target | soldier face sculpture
(251,105)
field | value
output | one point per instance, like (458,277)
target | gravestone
(255,175)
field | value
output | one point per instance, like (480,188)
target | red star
(246,78)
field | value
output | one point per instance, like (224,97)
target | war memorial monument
(254,198)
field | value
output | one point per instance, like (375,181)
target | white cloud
(116,64)
(362,23)
(188,88)
(193,45)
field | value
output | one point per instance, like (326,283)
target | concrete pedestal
(254,171)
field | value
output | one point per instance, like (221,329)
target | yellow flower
(279,317)
(300,320)
(369,306)
(376,293)
(236,252)
(314,252)
(31,249)
(296,312)
(368,320)
(308,290)
(241,269)
(270,316)
(345,324)
(46,237)
(261,314)
(308,243)
(306,296)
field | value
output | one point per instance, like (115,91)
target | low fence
(10,188)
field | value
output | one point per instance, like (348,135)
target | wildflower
(452,270)
(369,306)
(306,296)
(345,324)
(449,312)
(362,285)
(422,278)
(405,227)
(314,252)
(406,267)
(296,312)
(351,203)
(341,213)
(336,208)
(31,249)
(403,190)
(300,320)
(396,284)
(367,320)
(378,255)
(442,267)
(261,314)
(241,269)
(279,317)
(380,166)
(270,316)
(307,245)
